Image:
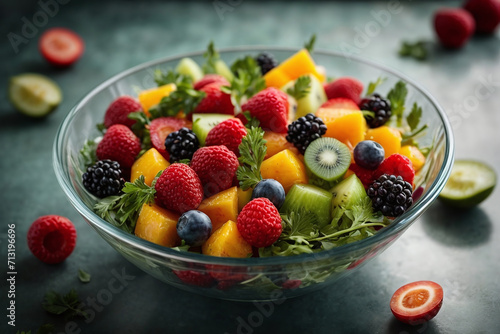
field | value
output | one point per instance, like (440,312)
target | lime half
(470,183)
(34,94)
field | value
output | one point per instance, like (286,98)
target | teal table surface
(459,250)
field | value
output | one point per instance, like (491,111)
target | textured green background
(459,250)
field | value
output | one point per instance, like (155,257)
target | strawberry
(192,277)
(364,175)
(210,78)
(119,144)
(215,101)
(270,107)
(52,238)
(453,26)
(118,110)
(398,165)
(178,189)
(345,87)
(486,14)
(228,133)
(216,167)
(161,127)
(259,222)
(340,103)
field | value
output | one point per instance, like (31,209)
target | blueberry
(270,189)
(368,154)
(194,227)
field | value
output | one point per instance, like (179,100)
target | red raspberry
(118,110)
(291,284)
(161,127)
(345,87)
(52,238)
(398,165)
(340,103)
(178,189)
(119,144)
(453,26)
(192,277)
(486,14)
(216,101)
(259,222)
(228,133)
(270,107)
(216,167)
(228,273)
(210,78)
(364,175)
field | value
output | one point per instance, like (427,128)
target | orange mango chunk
(275,78)
(276,142)
(388,137)
(243,197)
(345,125)
(157,225)
(221,207)
(286,168)
(150,97)
(149,164)
(414,154)
(227,242)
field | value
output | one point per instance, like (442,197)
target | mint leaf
(372,86)
(301,87)
(417,50)
(309,45)
(397,97)
(83,276)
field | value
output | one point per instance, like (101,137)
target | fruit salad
(254,159)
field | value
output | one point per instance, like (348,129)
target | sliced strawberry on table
(161,127)
(61,46)
(417,302)
(270,107)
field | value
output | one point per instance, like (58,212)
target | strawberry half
(161,127)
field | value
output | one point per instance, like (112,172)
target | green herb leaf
(183,247)
(164,78)
(211,57)
(372,86)
(83,276)
(252,152)
(413,118)
(397,97)
(141,130)
(252,122)
(185,98)
(309,45)
(417,50)
(88,153)
(68,304)
(301,88)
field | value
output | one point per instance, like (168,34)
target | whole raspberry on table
(52,238)
(453,26)
(345,87)
(259,223)
(119,144)
(181,144)
(391,195)
(381,108)
(209,79)
(304,131)
(270,107)
(486,14)
(228,133)
(216,167)
(178,189)
(215,101)
(119,109)
(398,165)
(104,178)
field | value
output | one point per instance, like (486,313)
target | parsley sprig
(309,45)
(413,120)
(417,50)
(68,304)
(372,86)
(301,87)
(211,57)
(397,97)
(185,98)
(252,152)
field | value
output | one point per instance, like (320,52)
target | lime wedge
(470,183)
(34,94)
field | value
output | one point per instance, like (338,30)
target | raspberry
(340,103)
(259,223)
(227,273)
(486,14)
(216,167)
(270,107)
(291,284)
(178,189)
(192,277)
(364,175)
(345,87)
(209,79)
(228,133)
(119,144)
(52,238)
(215,101)
(398,165)
(118,110)
(453,26)
(161,127)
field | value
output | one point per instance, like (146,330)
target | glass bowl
(249,279)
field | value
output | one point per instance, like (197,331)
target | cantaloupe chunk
(157,225)
(414,154)
(149,164)
(388,137)
(244,197)
(276,142)
(286,168)
(150,97)
(345,125)
(221,207)
(227,242)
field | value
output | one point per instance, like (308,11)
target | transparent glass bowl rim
(163,252)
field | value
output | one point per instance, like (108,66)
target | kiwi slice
(203,123)
(327,159)
(348,192)
(189,67)
(310,198)
(224,70)
(312,101)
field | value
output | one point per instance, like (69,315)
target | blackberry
(381,107)
(104,178)
(266,62)
(391,195)
(305,130)
(181,144)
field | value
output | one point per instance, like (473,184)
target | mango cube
(149,164)
(286,168)
(414,154)
(388,137)
(345,125)
(227,242)
(157,225)
(150,97)
(221,207)
(244,197)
